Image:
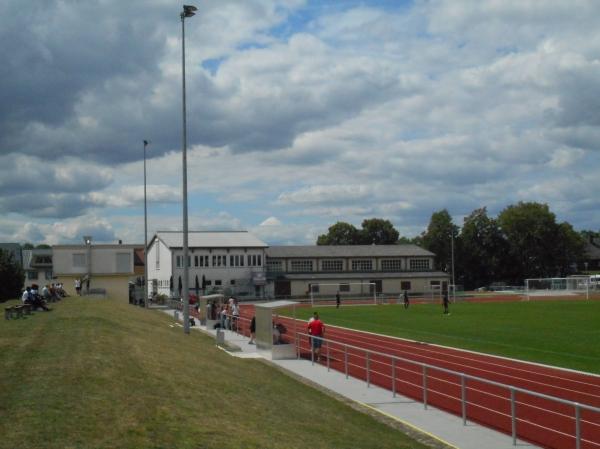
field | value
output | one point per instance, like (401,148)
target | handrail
(458,373)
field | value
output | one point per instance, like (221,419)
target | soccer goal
(572,286)
(327,291)
(436,292)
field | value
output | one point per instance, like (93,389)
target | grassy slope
(561,333)
(96,374)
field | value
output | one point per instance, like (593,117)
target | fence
(539,418)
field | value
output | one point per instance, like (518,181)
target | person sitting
(35,301)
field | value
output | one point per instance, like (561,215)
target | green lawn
(561,333)
(97,374)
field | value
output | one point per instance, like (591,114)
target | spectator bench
(17,311)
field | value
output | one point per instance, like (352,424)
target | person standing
(78,286)
(337,300)
(445,302)
(406,300)
(252,331)
(316,329)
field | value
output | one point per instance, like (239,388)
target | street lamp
(188,11)
(87,239)
(145,233)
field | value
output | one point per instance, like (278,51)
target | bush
(12,277)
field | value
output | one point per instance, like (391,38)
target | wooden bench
(17,311)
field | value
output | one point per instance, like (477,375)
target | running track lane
(540,421)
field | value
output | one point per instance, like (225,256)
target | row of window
(33,275)
(164,283)
(356,265)
(235,260)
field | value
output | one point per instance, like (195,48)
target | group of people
(229,314)
(39,299)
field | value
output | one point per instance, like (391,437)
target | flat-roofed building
(293,271)
(109,267)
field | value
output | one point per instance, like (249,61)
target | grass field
(560,333)
(97,374)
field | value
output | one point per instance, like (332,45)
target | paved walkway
(444,427)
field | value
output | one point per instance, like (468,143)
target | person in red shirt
(316,328)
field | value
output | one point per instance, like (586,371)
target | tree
(12,276)
(27,246)
(438,238)
(340,233)
(377,231)
(43,246)
(481,251)
(537,245)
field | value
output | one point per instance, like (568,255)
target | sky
(299,113)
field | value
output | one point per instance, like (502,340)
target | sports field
(563,333)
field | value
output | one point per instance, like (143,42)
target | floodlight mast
(188,11)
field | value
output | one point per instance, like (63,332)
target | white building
(231,261)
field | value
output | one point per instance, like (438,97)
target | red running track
(541,421)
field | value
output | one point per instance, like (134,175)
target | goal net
(355,291)
(572,286)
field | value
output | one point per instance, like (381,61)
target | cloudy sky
(300,114)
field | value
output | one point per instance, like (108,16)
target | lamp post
(145,233)
(188,11)
(87,239)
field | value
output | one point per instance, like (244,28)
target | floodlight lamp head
(87,239)
(189,10)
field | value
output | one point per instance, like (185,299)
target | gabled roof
(211,239)
(405,250)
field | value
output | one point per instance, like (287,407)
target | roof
(363,275)
(404,250)
(211,239)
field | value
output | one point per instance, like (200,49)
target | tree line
(523,241)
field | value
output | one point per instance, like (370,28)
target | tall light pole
(145,233)
(188,11)
(453,279)
(87,239)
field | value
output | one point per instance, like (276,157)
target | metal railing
(426,375)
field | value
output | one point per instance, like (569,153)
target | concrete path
(447,429)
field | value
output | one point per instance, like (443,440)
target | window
(362,265)
(157,256)
(405,285)
(219,261)
(124,263)
(332,265)
(232,282)
(301,265)
(189,261)
(274,265)
(208,282)
(214,261)
(434,283)
(231,261)
(391,265)
(218,282)
(224,261)
(249,260)
(48,275)
(79,260)
(42,260)
(241,261)
(237,261)
(314,288)
(206,261)
(196,261)
(178,261)
(419,264)
(259,261)
(344,288)
(31,275)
